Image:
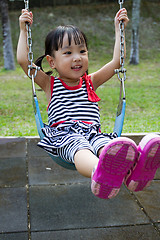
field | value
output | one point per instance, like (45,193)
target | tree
(7,41)
(134,55)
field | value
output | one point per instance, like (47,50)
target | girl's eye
(83,51)
(68,52)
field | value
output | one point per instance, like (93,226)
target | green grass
(142,84)
(142,97)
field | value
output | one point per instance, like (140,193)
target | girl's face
(71,62)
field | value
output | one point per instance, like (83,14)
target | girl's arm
(42,79)
(107,71)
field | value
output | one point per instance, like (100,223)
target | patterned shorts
(69,137)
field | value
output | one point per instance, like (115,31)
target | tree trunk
(7,41)
(134,55)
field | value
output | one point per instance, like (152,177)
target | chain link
(121,3)
(29,42)
(26,5)
(121,73)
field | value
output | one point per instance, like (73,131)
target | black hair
(54,41)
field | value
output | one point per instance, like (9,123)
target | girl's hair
(54,41)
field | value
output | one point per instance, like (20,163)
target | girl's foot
(148,161)
(116,159)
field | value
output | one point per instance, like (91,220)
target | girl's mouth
(77,68)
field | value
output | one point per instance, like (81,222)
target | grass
(142,93)
(143,80)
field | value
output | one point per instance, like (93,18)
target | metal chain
(121,3)
(26,5)
(122,70)
(29,42)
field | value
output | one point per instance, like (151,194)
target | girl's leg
(85,161)
(100,151)
(110,169)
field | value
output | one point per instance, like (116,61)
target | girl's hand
(25,17)
(121,15)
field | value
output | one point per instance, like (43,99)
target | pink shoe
(117,157)
(149,161)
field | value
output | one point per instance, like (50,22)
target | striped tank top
(77,103)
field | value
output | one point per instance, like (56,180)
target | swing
(122,102)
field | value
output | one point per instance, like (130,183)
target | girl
(74,132)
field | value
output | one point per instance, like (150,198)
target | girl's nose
(76,57)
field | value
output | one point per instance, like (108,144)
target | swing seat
(120,117)
(117,128)
(40,125)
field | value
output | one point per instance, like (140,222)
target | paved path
(40,200)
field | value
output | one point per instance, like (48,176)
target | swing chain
(26,4)
(121,3)
(122,70)
(29,42)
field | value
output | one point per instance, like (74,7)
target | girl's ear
(51,62)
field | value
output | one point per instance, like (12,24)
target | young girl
(74,131)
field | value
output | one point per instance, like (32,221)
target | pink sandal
(116,159)
(149,161)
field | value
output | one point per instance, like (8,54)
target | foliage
(142,84)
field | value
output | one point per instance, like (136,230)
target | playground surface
(39,200)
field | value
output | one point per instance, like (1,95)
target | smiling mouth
(76,68)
